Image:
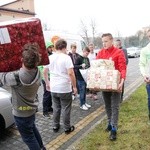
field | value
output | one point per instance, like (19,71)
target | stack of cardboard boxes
(102,76)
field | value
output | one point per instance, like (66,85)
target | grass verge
(133,128)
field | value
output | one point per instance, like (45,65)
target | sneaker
(84,107)
(113,135)
(73,97)
(56,129)
(46,115)
(109,127)
(87,105)
(43,148)
(71,129)
(50,112)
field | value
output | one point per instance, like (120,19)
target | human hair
(91,44)
(108,35)
(86,49)
(118,40)
(31,56)
(73,45)
(60,44)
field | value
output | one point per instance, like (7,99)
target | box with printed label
(103,80)
(13,36)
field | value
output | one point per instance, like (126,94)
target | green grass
(133,128)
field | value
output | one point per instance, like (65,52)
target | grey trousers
(62,102)
(112,103)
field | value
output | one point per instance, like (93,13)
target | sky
(123,17)
(119,17)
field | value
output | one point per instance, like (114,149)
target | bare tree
(93,26)
(45,28)
(84,29)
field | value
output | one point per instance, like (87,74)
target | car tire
(2,124)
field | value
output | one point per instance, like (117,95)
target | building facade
(17,9)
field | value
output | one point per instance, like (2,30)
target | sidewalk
(84,121)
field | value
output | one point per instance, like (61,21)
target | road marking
(61,139)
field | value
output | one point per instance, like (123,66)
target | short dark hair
(107,34)
(86,49)
(31,56)
(60,44)
(91,44)
(118,40)
(73,45)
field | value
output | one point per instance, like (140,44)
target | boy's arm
(46,78)
(9,79)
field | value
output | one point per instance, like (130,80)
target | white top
(91,56)
(59,79)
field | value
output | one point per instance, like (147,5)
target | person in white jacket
(144,65)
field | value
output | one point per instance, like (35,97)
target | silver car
(6,117)
(133,52)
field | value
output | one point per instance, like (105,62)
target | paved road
(83,120)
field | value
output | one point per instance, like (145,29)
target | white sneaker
(87,105)
(84,107)
(73,97)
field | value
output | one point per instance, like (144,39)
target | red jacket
(115,55)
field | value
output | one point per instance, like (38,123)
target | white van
(70,38)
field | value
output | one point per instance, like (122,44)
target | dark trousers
(62,102)
(82,91)
(47,100)
(148,94)
(112,103)
(29,132)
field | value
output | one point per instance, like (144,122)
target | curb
(128,91)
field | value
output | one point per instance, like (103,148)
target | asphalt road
(83,120)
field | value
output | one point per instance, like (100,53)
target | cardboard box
(13,36)
(103,64)
(103,80)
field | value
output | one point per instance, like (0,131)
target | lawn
(133,128)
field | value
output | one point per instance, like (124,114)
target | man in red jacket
(112,99)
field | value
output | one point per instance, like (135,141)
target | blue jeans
(148,93)
(29,132)
(82,91)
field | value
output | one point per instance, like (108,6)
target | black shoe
(113,135)
(71,129)
(56,129)
(46,115)
(50,112)
(109,127)
(43,148)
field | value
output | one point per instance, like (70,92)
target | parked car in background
(133,52)
(6,117)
